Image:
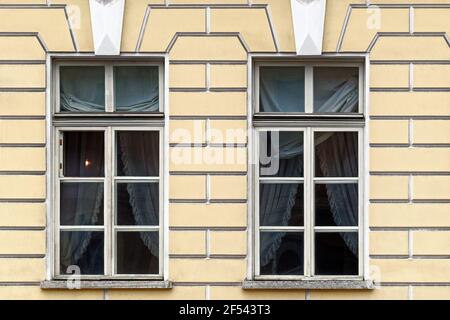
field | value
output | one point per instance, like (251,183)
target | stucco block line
(410,292)
(208,292)
(272,29)
(72,35)
(344,28)
(208,243)
(208,19)
(411,77)
(411,20)
(410,244)
(143,29)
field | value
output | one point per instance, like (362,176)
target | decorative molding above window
(308,18)
(107,22)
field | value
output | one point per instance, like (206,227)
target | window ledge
(308,284)
(106,284)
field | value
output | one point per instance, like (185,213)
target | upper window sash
(294,75)
(109,79)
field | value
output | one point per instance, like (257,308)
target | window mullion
(309,89)
(109,195)
(109,87)
(308,203)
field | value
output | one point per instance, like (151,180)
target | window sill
(106,284)
(308,284)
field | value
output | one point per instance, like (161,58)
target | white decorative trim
(107,23)
(308,17)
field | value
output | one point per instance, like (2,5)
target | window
(308,181)
(108,182)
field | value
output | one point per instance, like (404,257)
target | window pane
(137,204)
(136,89)
(84,154)
(137,153)
(336,205)
(282,89)
(281,153)
(336,154)
(336,89)
(137,253)
(281,253)
(82,249)
(82,89)
(81,204)
(336,253)
(281,205)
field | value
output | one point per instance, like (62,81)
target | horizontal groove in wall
(22,89)
(22,200)
(215,284)
(407,62)
(204,145)
(409,173)
(21,228)
(418,201)
(240,62)
(206,90)
(22,256)
(26,62)
(204,257)
(202,117)
(205,201)
(20,284)
(7,117)
(431,229)
(411,117)
(214,173)
(230,229)
(22,173)
(23,145)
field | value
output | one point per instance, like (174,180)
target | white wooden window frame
(309,127)
(309,84)
(109,82)
(109,127)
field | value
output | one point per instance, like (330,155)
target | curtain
(277,201)
(140,154)
(82,89)
(81,203)
(136,89)
(282,89)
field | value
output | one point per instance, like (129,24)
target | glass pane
(336,154)
(336,89)
(281,153)
(282,89)
(281,253)
(82,251)
(336,205)
(281,205)
(137,153)
(81,204)
(336,253)
(137,253)
(82,89)
(136,89)
(84,154)
(137,204)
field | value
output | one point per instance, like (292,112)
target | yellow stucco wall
(409,137)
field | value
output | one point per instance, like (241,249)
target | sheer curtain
(81,203)
(141,155)
(277,201)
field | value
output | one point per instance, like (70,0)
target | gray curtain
(144,198)
(136,89)
(277,201)
(82,89)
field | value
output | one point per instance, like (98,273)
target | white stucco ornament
(308,17)
(107,23)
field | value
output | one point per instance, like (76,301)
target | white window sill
(106,284)
(308,284)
